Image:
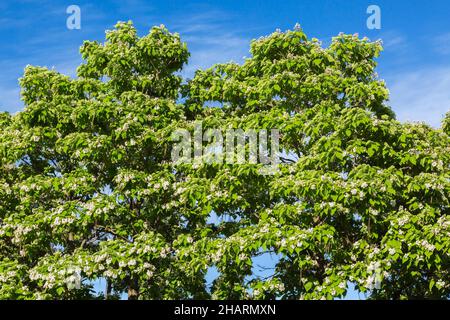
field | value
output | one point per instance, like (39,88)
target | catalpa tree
(90,191)
(362,198)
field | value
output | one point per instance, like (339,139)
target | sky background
(416,36)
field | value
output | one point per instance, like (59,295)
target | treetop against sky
(415,37)
(90,191)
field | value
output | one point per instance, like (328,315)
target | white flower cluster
(21,231)
(442,284)
(270,286)
(50,279)
(426,245)
(124,177)
(164,184)
(403,220)
(7,276)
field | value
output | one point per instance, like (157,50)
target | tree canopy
(88,188)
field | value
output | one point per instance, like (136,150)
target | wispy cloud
(421,95)
(211,40)
(222,48)
(441,43)
(394,41)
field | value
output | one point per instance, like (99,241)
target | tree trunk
(108,289)
(133,289)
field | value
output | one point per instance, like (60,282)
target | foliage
(88,186)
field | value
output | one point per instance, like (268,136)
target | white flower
(216,257)
(108,273)
(428,246)
(440,283)
(402,221)
(165,185)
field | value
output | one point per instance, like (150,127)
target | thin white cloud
(207,51)
(441,43)
(210,40)
(394,41)
(421,95)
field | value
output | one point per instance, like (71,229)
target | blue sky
(416,36)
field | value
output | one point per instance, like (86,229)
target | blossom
(440,283)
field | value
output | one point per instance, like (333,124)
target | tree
(366,201)
(91,183)
(89,187)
